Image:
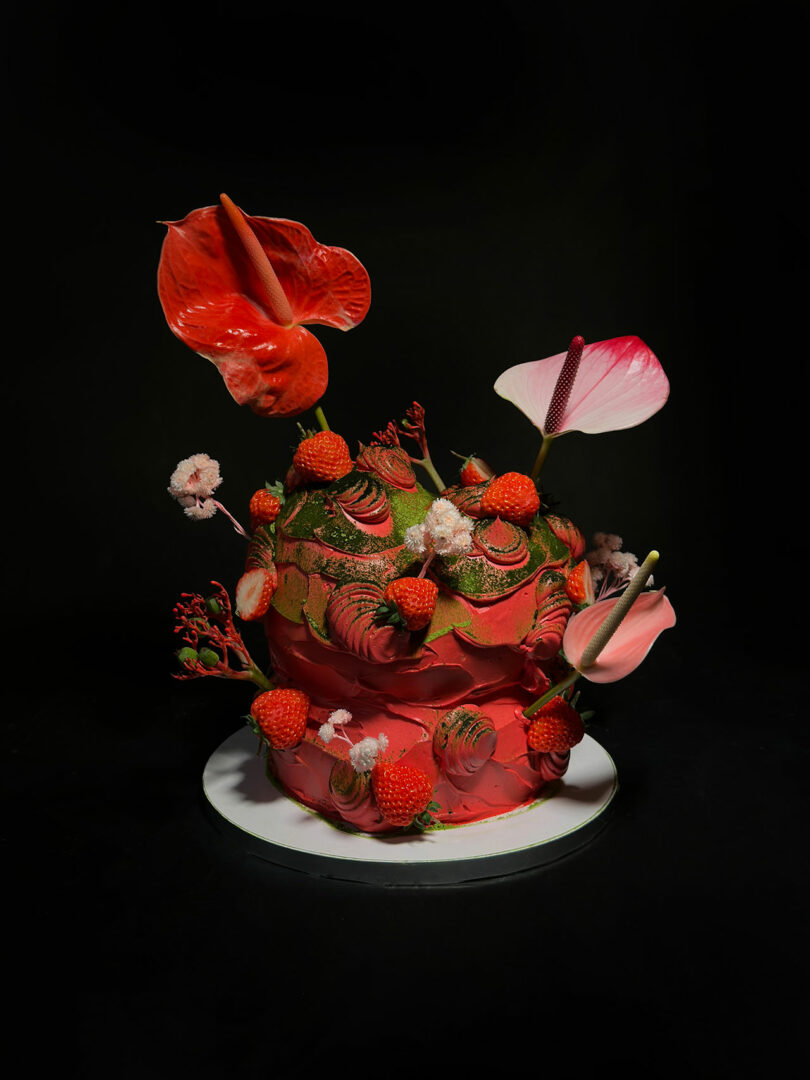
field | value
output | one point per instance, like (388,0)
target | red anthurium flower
(238,290)
(592,388)
(650,614)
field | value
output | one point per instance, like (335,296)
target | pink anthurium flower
(238,290)
(610,638)
(650,614)
(592,388)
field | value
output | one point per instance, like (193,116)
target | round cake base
(278,829)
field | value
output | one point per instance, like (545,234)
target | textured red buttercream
(494,654)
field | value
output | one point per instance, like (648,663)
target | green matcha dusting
(319,545)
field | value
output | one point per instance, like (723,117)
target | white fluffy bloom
(416,539)
(607,540)
(340,716)
(611,568)
(623,563)
(200,510)
(326,732)
(445,531)
(634,569)
(194,477)
(363,755)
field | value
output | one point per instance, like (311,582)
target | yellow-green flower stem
(260,679)
(254,675)
(430,469)
(545,446)
(558,688)
(319,416)
(620,609)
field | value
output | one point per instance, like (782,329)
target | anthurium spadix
(633,638)
(238,290)
(606,386)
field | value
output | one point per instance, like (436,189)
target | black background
(509,178)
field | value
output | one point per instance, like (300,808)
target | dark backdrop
(509,178)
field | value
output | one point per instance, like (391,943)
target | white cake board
(283,831)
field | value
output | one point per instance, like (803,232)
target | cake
(425,639)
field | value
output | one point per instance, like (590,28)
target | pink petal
(649,615)
(619,384)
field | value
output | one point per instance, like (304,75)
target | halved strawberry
(579,584)
(254,591)
(475,471)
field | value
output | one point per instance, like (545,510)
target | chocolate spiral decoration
(553,610)
(352,618)
(466,499)
(501,541)
(390,463)
(362,498)
(349,789)
(261,550)
(570,535)
(553,765)
(464,740)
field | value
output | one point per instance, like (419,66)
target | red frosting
(449,699)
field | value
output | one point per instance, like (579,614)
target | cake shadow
(249,780)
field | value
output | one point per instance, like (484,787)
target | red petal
(324,285)
(284,375)
(203,263)
(214,301)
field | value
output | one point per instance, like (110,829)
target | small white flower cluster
(611,568)
(336,719)
(363,755)
(445,531)
(193,483)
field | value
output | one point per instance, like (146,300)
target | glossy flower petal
(619,383)
(214,301)
(647,618)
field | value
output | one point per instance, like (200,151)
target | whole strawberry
(265,507)
(282,716)
(475,471)
(410,601)
(322,458)
(402,792)
(555,727)
(579,584)
(511,497)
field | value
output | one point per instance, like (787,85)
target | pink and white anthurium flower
(606,386)
(650,614)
